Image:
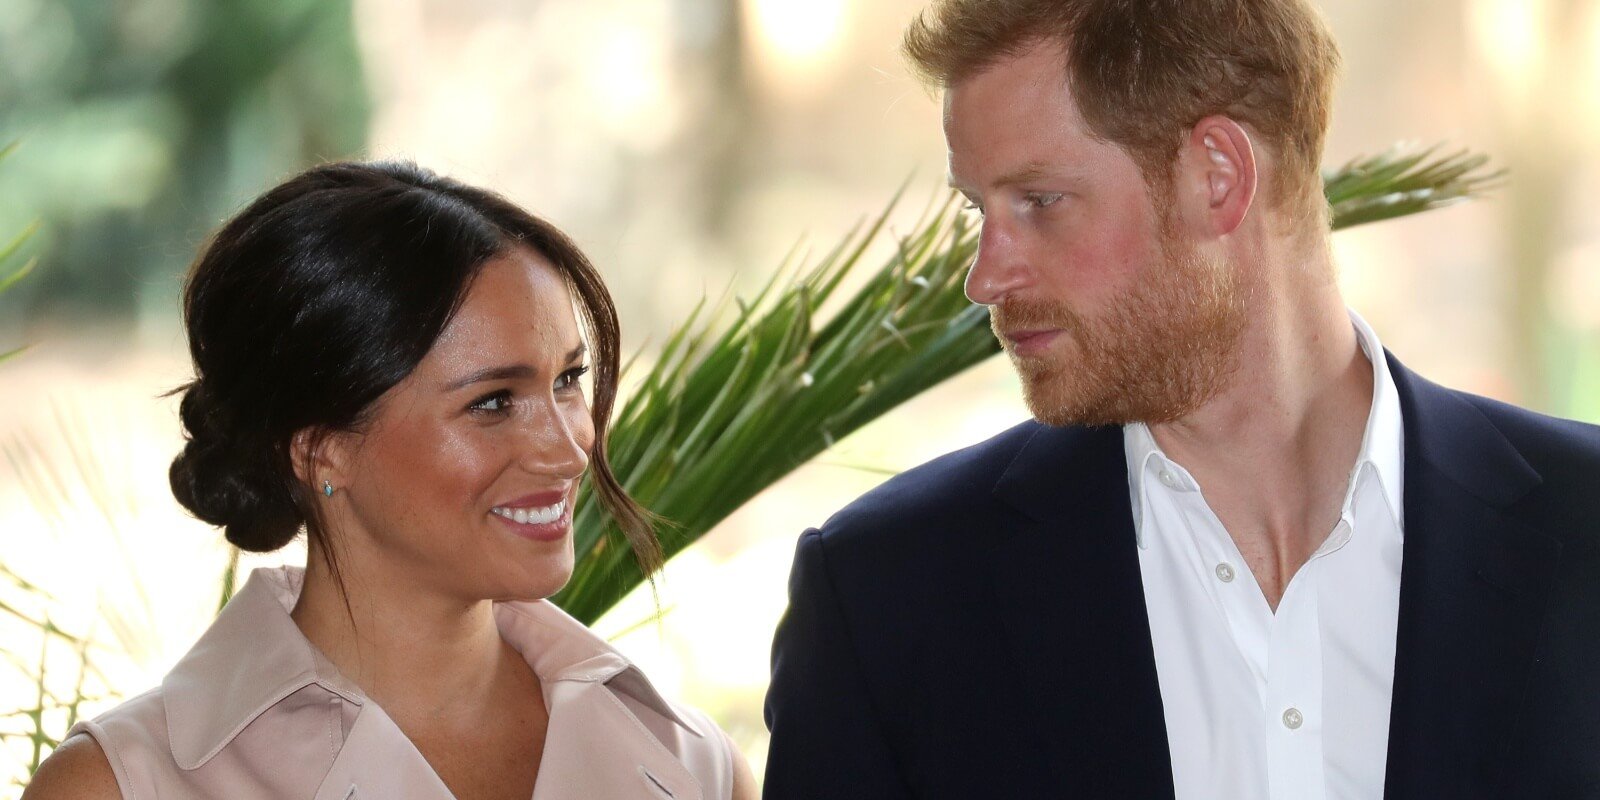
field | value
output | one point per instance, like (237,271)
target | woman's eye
(497,403)
(569,379)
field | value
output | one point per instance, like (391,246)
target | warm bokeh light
(1590,85)
(1574,294)
(798,36)
(1510,34)
(629,79)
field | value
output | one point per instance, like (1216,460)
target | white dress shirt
(1292,705)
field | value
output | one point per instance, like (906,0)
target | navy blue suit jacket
(976,627)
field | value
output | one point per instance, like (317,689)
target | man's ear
(1217,175)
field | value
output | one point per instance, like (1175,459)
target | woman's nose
(559,446)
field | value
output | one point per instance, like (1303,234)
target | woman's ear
(320,457)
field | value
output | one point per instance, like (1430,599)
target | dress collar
(253,656)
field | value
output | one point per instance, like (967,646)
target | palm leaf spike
(1397,183)
(735,404)
(35,715)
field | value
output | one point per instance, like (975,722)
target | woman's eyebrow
(499,373)
(508,371)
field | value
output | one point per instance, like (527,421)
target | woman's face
(464,482)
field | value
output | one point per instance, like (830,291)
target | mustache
(1026,315)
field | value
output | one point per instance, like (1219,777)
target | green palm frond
(9,252)
(1402,181)
(730,408)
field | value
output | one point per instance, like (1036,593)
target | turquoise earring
(327,489)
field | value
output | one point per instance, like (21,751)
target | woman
(391,361)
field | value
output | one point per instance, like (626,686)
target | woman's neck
(416,651)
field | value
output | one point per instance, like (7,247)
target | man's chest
(1264,702)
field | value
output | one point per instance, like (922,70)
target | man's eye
(569,379)
(1043,199)
(497,403)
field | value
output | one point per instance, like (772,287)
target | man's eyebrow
(508,371)
(1029,172)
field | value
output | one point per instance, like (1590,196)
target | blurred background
(687,145)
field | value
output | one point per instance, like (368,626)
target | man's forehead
(1011,93)
(1008,143)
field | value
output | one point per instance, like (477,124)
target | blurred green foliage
(148,122)
(8,252)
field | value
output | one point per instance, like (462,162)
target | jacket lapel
(1473,584)
(378,761)
(604,751)
(1066,570)
(613,725)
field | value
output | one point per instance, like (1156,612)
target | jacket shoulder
(139,720)
(134,732)
(927,498)
(1566,455)
(1541,437)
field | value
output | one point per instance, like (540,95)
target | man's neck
(1274,451)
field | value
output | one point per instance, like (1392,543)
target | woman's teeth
(534,516)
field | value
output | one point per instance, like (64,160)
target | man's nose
(998,268)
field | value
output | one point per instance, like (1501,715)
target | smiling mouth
(536,515)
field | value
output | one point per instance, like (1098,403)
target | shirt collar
(1382,443)
(1140,447)
(253,656)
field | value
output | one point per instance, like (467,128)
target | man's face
(1109,314)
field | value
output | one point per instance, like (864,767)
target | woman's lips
(548,498)
(540,531)
(537,506)
(1031,343)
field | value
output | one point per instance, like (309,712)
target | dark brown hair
(1144,72)
(323,294)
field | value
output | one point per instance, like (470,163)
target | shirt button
(1169,479)
(1225,572)
(1292,719)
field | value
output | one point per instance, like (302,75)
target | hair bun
(226,480)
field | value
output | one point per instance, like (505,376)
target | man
(1242,552)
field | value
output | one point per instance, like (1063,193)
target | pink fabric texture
(255,711)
